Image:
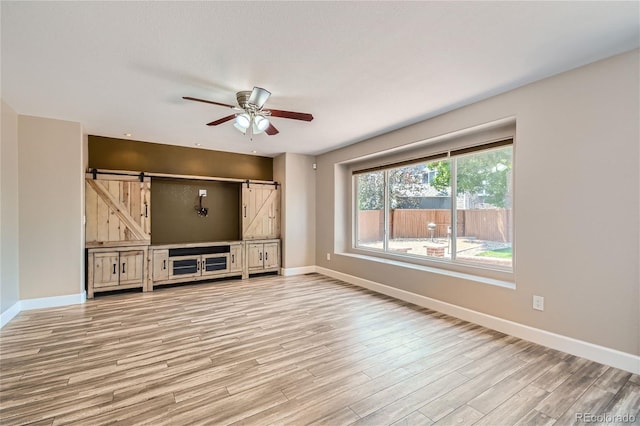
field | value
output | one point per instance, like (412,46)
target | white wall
(9,291)
(51,206)
(576,206)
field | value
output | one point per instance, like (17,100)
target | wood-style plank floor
(287,350)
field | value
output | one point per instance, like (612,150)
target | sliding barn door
(117,211)
(260,212)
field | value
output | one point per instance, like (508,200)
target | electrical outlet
(328,256)
(538,303)
(202,193)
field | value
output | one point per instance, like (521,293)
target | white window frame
(453,264)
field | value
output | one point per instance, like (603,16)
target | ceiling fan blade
(271,130)
(290,114)
(259,96)
(189,98)
(222,120)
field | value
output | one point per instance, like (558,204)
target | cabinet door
(260,212)
(184,266)
(105,269)
(131,267)
(117,210)
(235,258)
(271,255)
(214,264)
(160,265)
(256,260)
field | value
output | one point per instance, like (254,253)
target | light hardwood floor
(287,350)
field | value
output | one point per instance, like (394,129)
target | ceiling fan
(250,114)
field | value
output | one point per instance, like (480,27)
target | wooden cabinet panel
(214,264)
(160,261)
(117,211)
(255,256)
(105,269)
(260,211)
(116,268)
(271,255)
(131,267)
(184,266)
(235,258)
(263,256)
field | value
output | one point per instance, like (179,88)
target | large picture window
(454,207)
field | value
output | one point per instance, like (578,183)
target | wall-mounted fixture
(202,211)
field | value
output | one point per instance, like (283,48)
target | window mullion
(385,243)
(454,208)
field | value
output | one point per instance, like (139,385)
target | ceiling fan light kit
(252,115)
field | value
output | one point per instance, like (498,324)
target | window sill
(500,279)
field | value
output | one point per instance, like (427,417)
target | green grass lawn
(504,253)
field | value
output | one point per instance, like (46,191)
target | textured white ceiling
(361,68)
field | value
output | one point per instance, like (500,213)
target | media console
(121,267)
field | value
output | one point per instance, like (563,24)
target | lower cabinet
(235,261)
(116,268)
(263,256)
(146,266)
(198,265)
(193,262)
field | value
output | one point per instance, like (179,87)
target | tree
(403,183)
(481,175)
(370,191)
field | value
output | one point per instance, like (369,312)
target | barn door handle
(260,255)
(233,258)
(245,211)
(164,264)
(146,210)
(266,255)
(114,269)
(123,263)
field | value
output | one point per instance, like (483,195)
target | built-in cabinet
(263,256)
(260,211)
(236,257)
(175,263)
(116,268)
(118,238)
(117,211)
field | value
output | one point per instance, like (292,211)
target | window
(454,207)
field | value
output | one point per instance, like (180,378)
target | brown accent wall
(173,215)
(124,154)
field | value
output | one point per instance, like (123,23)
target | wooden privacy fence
(489,224)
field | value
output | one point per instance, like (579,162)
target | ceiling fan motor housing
(243,98)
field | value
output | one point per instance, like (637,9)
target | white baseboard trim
(287,272)
(9,314)
(597,353)
(52,302)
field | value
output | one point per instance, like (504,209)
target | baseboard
(52,302)
(9,314)
(298,271)
(597,353)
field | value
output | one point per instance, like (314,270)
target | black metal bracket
(94,172)
(141,176)
(247,182)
